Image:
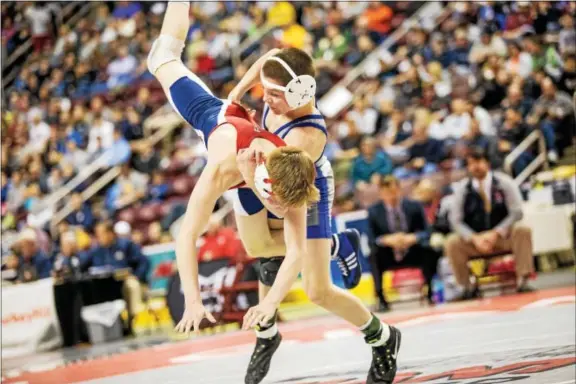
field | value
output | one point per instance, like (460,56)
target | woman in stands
(287,77)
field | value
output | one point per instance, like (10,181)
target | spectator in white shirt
(363,116)
(519,63)
(39,133)
(488,44)
(100,129)
(40,19)
(123,65)
(455,125)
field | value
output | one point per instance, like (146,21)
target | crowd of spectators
(85,92)
(487,75)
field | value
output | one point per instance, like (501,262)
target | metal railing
(166,124)
(539,161)
(258,35)
(431,10)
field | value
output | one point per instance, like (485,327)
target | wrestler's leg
(187,93)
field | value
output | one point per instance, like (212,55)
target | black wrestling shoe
(383,368)
(261,357)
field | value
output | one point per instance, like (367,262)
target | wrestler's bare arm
(251,78)
(213,182)
(295,239)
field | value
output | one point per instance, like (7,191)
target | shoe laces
(343,267)
(383,361)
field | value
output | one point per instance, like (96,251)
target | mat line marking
(413,360)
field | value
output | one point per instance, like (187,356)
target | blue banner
(163,256)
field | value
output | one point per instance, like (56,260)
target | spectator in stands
(119,152)
(158,190)
(567,80)
(401,234)
(120,254)
(556,109)
(120,69)
(476,139)
(424,153)
(489,44)
(101,134)
(377,20)
(146,160)
(33,263)
(567,36)
(10,266)
(40,19)
(219,242)
(516,99)
(511,134)
(370,165)
(484,216)
(81,214)
(67,261)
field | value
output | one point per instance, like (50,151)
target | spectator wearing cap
(33,263)
(122,230)
(401,233)
(370,165)
(120,254)
(485,215)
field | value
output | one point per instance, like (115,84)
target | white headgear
(262,181)
(299,91)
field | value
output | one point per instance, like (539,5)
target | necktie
(484,196)
(398,227)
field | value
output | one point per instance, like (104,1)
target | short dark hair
(478,153)
(298,60)
(389,181)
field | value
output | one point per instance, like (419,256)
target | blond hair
(292,173)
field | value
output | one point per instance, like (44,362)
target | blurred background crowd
(78,102)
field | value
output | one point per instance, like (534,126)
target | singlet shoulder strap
(266,110)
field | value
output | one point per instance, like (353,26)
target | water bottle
(437,290)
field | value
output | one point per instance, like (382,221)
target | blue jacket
(415,221)
(82,217)
(40,262)
(121,254)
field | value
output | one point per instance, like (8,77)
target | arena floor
(524,339)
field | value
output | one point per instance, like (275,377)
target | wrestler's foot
(261,357)
(346,250)
(383,368)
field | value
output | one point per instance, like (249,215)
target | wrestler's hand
(260,314)
(246,161)
(192,317)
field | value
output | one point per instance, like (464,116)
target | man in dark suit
(401,236)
